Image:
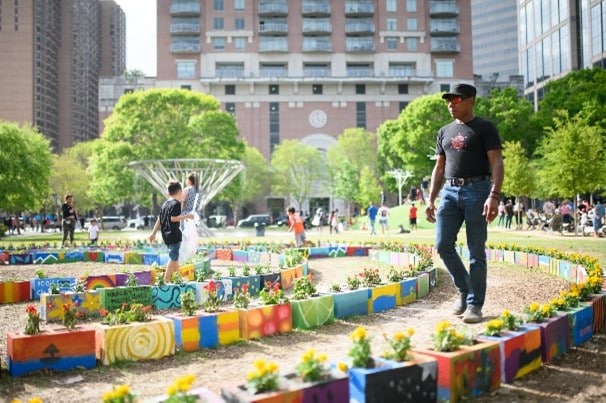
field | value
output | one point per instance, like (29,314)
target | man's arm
(491,204)
(152,237)
(437,179)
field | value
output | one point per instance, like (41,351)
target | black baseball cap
(461,90)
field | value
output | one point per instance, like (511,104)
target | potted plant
(580,315)
(310,310)
(554,329)
(264,383)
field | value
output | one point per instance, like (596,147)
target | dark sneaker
(473,314)
(460,304)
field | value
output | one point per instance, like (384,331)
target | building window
(402,69)
(239,4)
(361,115)
(411,24)
(128,90)
(402,105)
(186,87)
(186,69)
(412,43)
(360,89)
(239,43)
(230,89)
(239,23)
(218,5)
(317,89)
(274,89)
(230,107)
(218,23)
(392,24)
(444,87)
(444,68)
(391,6)
(402,88)
(274,125)
(411,6)
(229,70)
(218,43)
(392,43)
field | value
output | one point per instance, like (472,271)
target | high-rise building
(494,26)
(50,64)
(559,36)
(113,39)
(309,69)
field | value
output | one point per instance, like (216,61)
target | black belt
(466,181)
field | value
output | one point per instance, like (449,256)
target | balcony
(443,9)
(185,9)
(359,8)
(359,28)
(359,45)
(184,28)
(317,45)
(273,71)
(316,71)
(315,8)
(316,27)
(230,72)
(445,46)
(267,44)
(443,29)
(359,71)
(185,47)
(273,8)
(273,28)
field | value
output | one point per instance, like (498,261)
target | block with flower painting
(88,304)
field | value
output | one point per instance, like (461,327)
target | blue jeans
(460,205)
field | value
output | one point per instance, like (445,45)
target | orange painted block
(288,275)
(224,254)
(15,291)
(265,321)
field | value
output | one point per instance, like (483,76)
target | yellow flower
(259,364)
(398,336)
(505,313)
(442,326)
(107,396)
(35,400)
(342,366)
(410,332)
(534,307)
(122,391)
(358,334)
(322,357)
(308,355)
(172,390)
(251,375)
(272,367)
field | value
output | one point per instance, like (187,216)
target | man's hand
(430,212)
(491,206)
(152,237)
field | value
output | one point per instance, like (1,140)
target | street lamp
(401,176)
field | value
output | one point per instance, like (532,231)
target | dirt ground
(578,376)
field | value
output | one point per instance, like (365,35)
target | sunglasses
(456,100)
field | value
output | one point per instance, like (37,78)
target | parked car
(217,221)
(253,219)
(281,220)
(139,223)
(112,222)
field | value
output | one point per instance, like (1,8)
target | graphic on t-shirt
(458,142)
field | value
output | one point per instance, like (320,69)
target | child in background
(296,225)
(93,232)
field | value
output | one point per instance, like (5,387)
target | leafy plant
(312,366)
(246,270)
(241,297)
(394,276)
(494,327)
(40,273)
(176,278)
(178,391)
(303,287)
(160,278)
(272,293)
(54,289)
(231,271)
(447,338)
(33,320)
(263,378)
(399,345)
(353,283)
(126,314)
(511,321)
(119,394)
(292,258)
(211,301)
(335,288)
(132,280)
(259,268)
(80,283)
(70,314)
(370,277)
(360,350)
(188,303)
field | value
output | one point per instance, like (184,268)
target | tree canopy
(521,176)
(159,124)
(25,167)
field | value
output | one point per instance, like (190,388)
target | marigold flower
(342,366)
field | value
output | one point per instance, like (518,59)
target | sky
(140,35)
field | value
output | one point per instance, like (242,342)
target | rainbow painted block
(520,352)
(206,330)
(312,312)
(350,303)
(555,340)
(266,320)
(135,341)
(240,394)
(46,257)
(104,281)
(468,372)
(408,291)
(59,350)
(168,296)
(41,286)
(580,323)
(382,297)
(51,305)
(394,382)
(93,256)
(113,298)
(15,291)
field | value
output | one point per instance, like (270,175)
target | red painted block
(14,291)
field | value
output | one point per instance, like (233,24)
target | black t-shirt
(171,233)
(465,146)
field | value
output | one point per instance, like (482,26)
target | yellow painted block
(228,324)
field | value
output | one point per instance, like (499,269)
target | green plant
(263,378)
(536,312)
(126,314)
(446,338)
(119,394)
(511,321)
(70,314)
(353,283)
(132,280)
(399,345)
(241,297)
(80,283)
(178,391)
(40,273)
(231,271)
(312,366)
(176,278)
(160,278)
(394,276)
(303,287)
(370,277)
(188,303)
(246,270)
(335,288)
(494,327)
(54,289)
(211,301)
(292,258)
(200,276)
(272,293)
(33,320)
(259,268)
(360,350)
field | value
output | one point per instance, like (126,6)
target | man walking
(470,166)
(372,217)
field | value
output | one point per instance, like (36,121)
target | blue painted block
(350,303)
(150,258)
(63,364)
(580,322)
(254,256)
(408,291)
(382,297)
(114,257)
(564,270)
(253,281)
(71,256)
(39,286)
(163,259)
(318,252)
(239,255)
(209,331)
(168,296)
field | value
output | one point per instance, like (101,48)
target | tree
(346,183)
(369,188)
(571,156)
(356,146)
(296,168)
(514,117)
(519,172)
(250,184)
(25,166)
(158,124)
